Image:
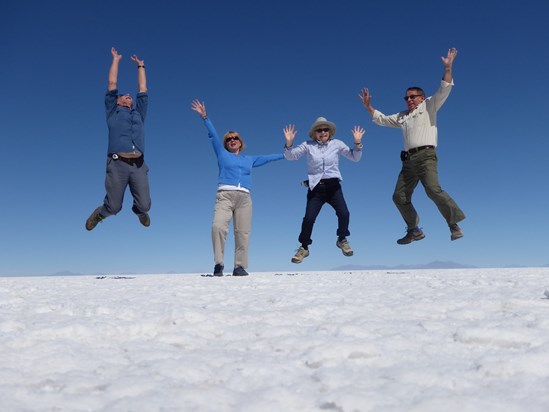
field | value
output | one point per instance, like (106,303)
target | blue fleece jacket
(235,169)
(126,126)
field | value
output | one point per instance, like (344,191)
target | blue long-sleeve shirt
(235,170)
(126,126)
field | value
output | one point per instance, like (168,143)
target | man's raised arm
(113,71)
(366,98)
(448,61)
(141,75)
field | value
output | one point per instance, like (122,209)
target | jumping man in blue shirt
(125,159)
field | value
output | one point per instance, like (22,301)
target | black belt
(322,181)
(129,160)
(328,181)
(418,149)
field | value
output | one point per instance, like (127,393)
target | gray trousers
(235,205)
(422,167)
(119,176)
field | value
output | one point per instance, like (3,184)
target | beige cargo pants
(235,205)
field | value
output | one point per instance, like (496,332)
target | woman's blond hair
(233,133)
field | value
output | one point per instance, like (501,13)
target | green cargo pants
(422,167)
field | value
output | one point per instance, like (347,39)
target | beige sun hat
(321,121)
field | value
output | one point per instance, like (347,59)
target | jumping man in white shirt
(419,158)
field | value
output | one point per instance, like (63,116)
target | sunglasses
(324,129)
(412,96)
(231,138)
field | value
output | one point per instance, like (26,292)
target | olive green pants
(422,167)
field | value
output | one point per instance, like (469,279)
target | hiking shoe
(239,272)
(455,232)
(345,247)
(94,219)
(218,270)
(411,236)
(301,254)
(145,219)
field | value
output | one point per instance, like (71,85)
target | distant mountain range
(437,264)
(69,273)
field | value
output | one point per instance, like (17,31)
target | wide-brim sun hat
(321,121)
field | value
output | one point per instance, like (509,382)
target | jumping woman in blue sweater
(233,199)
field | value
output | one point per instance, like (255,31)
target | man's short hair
(417,89)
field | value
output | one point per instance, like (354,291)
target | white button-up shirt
(419,127)
(323,158)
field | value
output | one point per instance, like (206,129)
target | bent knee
(344,214)
(400,199)
(219,228)
(433,191)
(113,210)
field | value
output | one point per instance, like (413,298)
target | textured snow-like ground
(412,340)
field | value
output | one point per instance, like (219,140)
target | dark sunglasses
(231,138)
(412,96)
(325,129)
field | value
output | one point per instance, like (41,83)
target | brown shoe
(455,232)
(94,219)
(144,219)
(345,247)
(301,254)
(411,236)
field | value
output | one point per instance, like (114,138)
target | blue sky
(258,66)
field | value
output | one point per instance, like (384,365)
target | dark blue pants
(328,191)
(121,175)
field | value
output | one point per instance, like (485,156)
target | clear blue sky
(259,66)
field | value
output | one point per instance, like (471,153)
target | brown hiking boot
(455,232)
(144,219)
(301,254)
(94,219)
(411,236)
(343,244)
